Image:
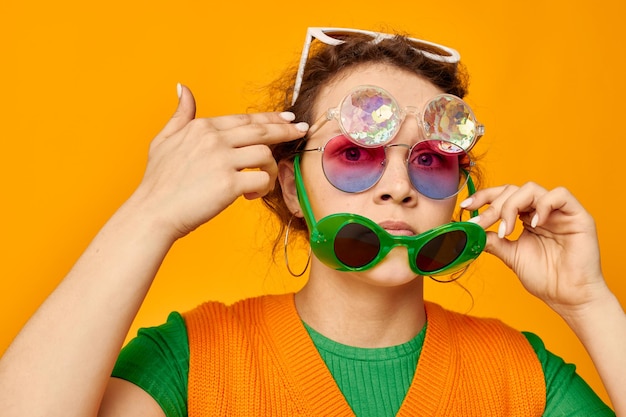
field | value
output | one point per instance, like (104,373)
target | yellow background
(86,85)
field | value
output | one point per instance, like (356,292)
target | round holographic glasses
(434,167)
(370,116)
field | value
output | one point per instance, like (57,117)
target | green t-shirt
(157,360)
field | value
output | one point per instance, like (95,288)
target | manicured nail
(179,90)
(465,203)
(502,229)
(474,219)
(288,116)
(534,221)
(302,126)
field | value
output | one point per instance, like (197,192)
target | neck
(352,311)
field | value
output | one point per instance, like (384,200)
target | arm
(123,398)
(567,394)
(557,259)
(601,327)
(60,363)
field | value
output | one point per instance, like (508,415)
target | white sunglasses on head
(334,36)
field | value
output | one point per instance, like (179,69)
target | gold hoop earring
(286,243)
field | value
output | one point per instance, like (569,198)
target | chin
(390,273)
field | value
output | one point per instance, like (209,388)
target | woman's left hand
(556,257)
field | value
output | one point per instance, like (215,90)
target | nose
(395,185)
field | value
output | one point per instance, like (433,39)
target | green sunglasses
(350,242)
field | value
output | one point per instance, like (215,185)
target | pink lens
(434,166)
(352,168)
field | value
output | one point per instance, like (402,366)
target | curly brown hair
(324,64)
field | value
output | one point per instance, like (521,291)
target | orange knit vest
(255,358)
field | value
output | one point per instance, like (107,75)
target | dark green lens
(356,245)
(441,251)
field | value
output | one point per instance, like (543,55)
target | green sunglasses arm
(471,189)
(305,205)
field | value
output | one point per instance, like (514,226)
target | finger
(506,203)
(257,157)
(522,202)
(504,249)
(254,184)
(236,120)
(559,199)
(494,197)
(185,112)
(252,157)
(485,196)
(256,170)
(264,133)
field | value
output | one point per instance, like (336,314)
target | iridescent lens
(441,251)
(352,168)
(448,118)
(356,245)
(370,116)
(435,168)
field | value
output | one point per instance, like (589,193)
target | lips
(397,228)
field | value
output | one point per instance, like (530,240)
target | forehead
(408,89)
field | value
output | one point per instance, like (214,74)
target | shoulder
(477,328)
(157,361)
(483,344)
(245,310)
(486,358)
(170,336)
(496,344)
(567,392)
(213,324)
(481,340)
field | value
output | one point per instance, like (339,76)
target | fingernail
(534,221)
(179,90)
(288,116)
(502,229)
(302,126)
(465,203)
(474,219)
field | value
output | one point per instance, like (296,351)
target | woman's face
(393,202)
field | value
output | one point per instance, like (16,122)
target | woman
(373,181)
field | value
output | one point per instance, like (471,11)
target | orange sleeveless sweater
(255,358)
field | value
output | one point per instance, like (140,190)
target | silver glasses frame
(323,35)
(445,146)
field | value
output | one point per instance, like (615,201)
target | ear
(287,180)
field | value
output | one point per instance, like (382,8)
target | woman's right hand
(198,167)
(64,356)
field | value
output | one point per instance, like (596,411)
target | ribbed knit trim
(303,360)
(453,355)
(256,348)
(433,378)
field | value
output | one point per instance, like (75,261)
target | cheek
(323,197)
(326,199)
(436,212)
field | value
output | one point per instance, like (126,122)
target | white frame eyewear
(324,34)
